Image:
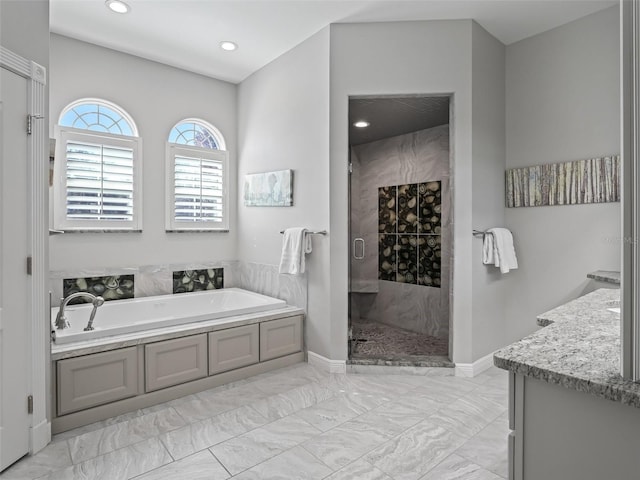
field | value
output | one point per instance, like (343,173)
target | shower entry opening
(400,223)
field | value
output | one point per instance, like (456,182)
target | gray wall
(412,158)
(24,28)
(562,104)
(283,112)
(488,151)
(157,97)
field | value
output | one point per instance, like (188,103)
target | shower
(400,230)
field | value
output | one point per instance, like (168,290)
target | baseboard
(326,364)
(475,368)
(40,436)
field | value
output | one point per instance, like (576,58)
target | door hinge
(29,265)
(350,167)
(30,404)
(30,119)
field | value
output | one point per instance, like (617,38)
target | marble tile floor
(374,343)
(297,423)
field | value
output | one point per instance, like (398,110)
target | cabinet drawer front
(280,337)
(175,361)
(96,379)
(233,348)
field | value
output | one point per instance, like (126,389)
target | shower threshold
(374,343)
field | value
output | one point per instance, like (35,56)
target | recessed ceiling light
(228,46)
(361,124)
(118,6)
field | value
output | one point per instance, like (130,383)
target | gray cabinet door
(96,379)
(280,337)
(175,361)
(233,348)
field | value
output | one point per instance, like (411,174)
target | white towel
(296,243)
(498,249)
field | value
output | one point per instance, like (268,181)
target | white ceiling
(186,33)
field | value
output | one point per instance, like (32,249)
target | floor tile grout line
(219,461)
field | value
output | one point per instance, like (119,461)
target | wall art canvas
(596,180)
(269,189)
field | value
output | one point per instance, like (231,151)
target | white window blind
(197,186)
(99,182)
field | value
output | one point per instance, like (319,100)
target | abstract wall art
(269,189)
(596,180)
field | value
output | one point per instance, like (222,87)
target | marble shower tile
(430,211)
(54,456)
(407,259)
(206,433)
(455,467)
(414,452)
(360,470)
(408,208)
(429,261)
(201,466)
(256,446)
(114,437)
(294,464)
(387,221)
(124,463)
(387,257)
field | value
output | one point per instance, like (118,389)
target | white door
(14,295)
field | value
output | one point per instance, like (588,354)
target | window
(97,177)
(197,166)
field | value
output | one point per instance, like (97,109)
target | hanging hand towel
(296,243)
(488,249)
(503,251)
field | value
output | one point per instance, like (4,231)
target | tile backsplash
(198,280)
(112,287)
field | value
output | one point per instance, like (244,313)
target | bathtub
(140,314)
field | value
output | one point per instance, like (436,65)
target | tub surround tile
(294,464)
(114,437)
(580,349)
(124,463)
(201,466)
(198,280)
(114,287)
(152,281)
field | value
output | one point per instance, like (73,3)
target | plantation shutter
(100,181)
(198,186)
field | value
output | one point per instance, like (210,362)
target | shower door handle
(357,241)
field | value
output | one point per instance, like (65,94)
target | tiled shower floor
(380,344)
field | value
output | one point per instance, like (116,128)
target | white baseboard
(40,436)
(475,368)
(326,364)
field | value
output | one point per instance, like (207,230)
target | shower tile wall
(384,170)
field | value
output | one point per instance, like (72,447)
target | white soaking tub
(141,314)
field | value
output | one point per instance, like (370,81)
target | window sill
(198,230)
(93,230)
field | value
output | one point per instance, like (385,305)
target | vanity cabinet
(173,362)
(280,337)
(233,348)
(96,379)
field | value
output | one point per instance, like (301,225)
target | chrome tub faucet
(61,319)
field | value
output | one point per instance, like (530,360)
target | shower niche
(400,228)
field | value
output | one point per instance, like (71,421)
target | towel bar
(319,232)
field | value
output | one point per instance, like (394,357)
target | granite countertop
(606,276)
(578,349)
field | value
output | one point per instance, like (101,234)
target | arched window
(97,169)
(197,170)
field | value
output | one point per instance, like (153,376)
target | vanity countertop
(607,276)
(578,349)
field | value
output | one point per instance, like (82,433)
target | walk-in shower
(400,230)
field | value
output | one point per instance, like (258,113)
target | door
(14,300)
